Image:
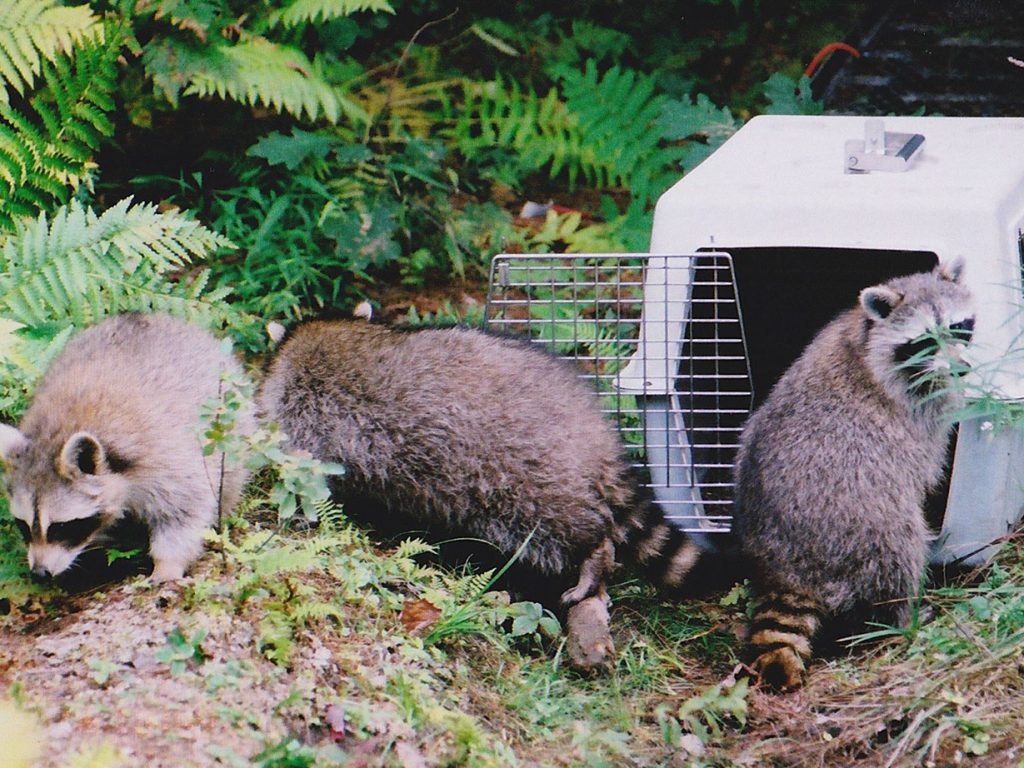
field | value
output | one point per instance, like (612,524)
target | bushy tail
(781,633)
(657,547)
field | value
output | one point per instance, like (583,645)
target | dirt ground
(96,675)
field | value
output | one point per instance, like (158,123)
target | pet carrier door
(675,377)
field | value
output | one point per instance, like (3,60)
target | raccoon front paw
(589,640)
(780,669)
(167,570)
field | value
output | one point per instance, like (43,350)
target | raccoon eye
(72,532)
(914,352)
(964,330)
(23,529)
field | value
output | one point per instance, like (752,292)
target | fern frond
(414,547)
(618,112)
(493,114)
(301,12)
(305,612)
(46,151)
(35,31)
(603,129)
(256,72)
(77,267)
(195,16)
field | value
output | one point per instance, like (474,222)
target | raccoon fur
(113,432)
(475,435)
(833,468)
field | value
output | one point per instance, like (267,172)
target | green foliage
(598,125)
(697,122)
(294,150)
(346,212)
(789,97)
(299,479)
(220,57)
(611,128)
(540,130)
(181,650)
(46,151)
(302,12)
(468,607)
(708,714)
(287,753)
(76,267)
(617,113)
(256,72)
(267,576)
(33,32)
(15,586)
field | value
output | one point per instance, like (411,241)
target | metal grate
(661,338)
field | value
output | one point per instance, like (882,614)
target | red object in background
(824,53)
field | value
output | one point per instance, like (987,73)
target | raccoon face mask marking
(61,519)
(918,343)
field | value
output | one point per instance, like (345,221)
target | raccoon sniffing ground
(475,435)
(834,467)
(112,434)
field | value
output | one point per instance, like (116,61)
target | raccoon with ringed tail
(834,467)
(476,435)
(113,433)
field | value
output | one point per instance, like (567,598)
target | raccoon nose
(41,575)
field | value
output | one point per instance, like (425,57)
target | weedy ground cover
(324,648)
(335,151)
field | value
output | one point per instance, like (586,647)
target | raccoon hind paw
(589,642)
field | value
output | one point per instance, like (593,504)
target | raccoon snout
(41,575)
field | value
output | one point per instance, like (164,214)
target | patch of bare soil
(107,673)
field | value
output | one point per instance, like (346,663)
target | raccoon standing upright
(113,431)
(834,467)
(475,435)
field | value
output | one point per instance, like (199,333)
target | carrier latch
(881,150)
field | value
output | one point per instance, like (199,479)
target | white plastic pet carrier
(751,254)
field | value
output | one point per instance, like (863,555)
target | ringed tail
(663,551)
(781,633)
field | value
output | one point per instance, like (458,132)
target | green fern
(604,129)
(75,266)
(46,150)
(306,612)
(301,12)
(200,17)
(37,31)
(617,112)
(540,129)
(256,72)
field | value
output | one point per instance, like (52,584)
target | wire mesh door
(661,339)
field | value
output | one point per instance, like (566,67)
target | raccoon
(112,433)
(833,468)
(476,435)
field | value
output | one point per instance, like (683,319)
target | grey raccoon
(476,435)
(113,430)
(833,468)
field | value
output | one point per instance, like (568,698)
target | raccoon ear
(12,442)
(82,454)
(879,301)
(952,271)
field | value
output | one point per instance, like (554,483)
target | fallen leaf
(419,615)
(409,755)
(335,719)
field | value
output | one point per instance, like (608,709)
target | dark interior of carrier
(784,297)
